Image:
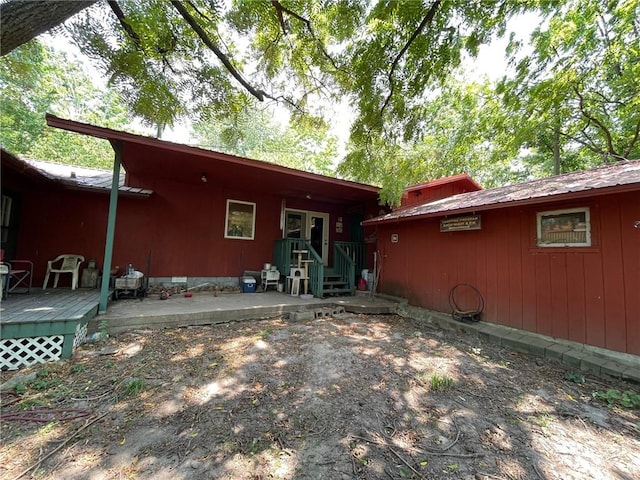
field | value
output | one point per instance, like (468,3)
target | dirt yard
(348,397)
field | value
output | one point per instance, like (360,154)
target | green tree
(172,58)
(464,128)
(574,99)
(26,95)
(303,144)
(577,93)
(35,80)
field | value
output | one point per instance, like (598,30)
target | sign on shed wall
(468,222)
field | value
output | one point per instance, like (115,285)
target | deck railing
(356,251)
(344,266)
(349,258)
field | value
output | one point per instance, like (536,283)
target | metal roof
(620,176)
(75,177)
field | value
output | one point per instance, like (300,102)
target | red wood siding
(178,231)
(429,194)
(588,295)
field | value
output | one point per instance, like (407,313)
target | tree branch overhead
(21,21)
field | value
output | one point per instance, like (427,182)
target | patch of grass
(31,403)
(440,383)
(133,386)
(48,428)
(263,333)
(574,377)
(542,420)
(626,399)
(44,380)
(254,447)
(103,328)
(229,447)
(78,367)
(512,418)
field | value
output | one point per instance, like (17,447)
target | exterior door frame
(308,224)
(324,254)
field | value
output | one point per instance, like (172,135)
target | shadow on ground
(345,397)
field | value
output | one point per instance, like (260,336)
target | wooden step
(336,291)
(334,283)
(330,277)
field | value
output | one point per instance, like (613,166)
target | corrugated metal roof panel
(535,191)
(82,177)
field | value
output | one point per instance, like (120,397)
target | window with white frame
(564,228)
(240,221)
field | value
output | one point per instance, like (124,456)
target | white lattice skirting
(80,337)
(22,352)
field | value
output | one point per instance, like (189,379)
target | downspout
(111,228)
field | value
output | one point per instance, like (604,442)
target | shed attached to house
(558,256)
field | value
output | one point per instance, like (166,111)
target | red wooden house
(558,256)
(187,215)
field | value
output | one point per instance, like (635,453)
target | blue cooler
(248,284)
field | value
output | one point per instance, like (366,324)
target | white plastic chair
(69,263)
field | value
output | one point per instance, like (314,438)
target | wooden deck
(44,325)
(48,305)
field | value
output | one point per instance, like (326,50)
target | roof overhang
(145,157)
(463,179)
(52,174)
(15,164)
(617,178)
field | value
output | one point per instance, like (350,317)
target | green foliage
(78,367)
(103,328)
(571,103)
(303,144)
(627,399)
(45,380)
(26,94)
(440,383)
(133,386)
(576,94)
(574,377)
(158,63)
(382,57)
(48,428)
(456,125)
(35,80)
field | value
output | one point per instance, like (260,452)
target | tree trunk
(556,150)
(22,21)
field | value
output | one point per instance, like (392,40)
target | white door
(318,234)
(312,226)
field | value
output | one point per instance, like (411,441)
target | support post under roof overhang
(111,227)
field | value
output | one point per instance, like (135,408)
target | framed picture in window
(564,228)
(240,220)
